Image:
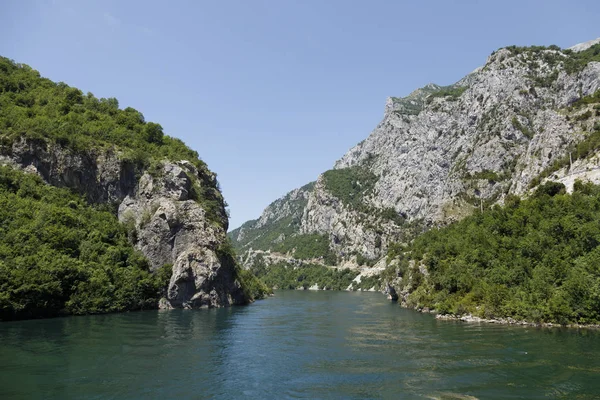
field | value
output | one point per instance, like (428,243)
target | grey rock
(585,45)
(166,223)
(438,158)
(391,292)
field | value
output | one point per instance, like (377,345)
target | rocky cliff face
(441,152)
(175,214)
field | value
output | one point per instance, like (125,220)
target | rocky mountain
(160,190)
(442,152)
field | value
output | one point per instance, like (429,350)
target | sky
(272,92)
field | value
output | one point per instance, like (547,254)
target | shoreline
(469,318)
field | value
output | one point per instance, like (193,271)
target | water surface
(294,345)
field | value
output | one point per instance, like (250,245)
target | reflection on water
(296,345)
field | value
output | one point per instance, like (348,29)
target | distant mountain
(439,154)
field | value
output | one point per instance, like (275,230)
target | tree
(153,133)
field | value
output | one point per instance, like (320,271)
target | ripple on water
(295,345)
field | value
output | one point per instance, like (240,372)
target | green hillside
(60,256)
(37,108)
(536,259)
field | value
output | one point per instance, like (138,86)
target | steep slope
(533,260)
(59,255)
(158,187)
(443,152)
(281,216)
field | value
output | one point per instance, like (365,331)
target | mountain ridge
(442,152)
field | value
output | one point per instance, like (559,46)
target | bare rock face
(201,280)
(442,152)
(175,216)
(426,162)
(100,176)
(347,228)
(172,227)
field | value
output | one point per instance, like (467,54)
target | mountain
(107,213)
(440,154)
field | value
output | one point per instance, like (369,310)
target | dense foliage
(60,256)
(572,61)
(351,185)
(450,93)
(536,259)
(577,61)
(57,254)
(306,247)
(284,276)
(35,107)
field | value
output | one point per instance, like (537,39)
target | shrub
(39,108)
(450,93)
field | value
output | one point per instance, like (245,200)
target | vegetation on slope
(351,185)
(284,276)
(307,247)
(536,259)
(553,56)
(60,256)
(450,93)
(587,100)
(266,236)
(413,103)
(584,148)
(254,288)
(577,61)
(35,107)
(282,235)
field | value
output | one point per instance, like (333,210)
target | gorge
(523,126)
(477,201)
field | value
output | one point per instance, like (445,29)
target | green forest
(38,108)
(536,259)
(33,107)
(60,256)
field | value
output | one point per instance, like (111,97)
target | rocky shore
(505,321)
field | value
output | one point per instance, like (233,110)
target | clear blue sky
(271,93)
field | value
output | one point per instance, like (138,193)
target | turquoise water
(294,345)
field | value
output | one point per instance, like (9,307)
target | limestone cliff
(442,152)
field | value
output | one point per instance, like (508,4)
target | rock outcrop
(175,215)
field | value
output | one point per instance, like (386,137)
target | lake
(297,344)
